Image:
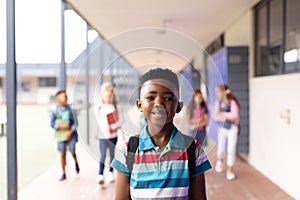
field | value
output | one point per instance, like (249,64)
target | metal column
(62,74)
(87,87)
(12,179)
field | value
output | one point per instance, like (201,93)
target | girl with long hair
(109,121)
(197,116)
(226,113)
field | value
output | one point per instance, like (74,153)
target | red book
(112,118)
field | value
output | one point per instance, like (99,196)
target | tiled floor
(249,184)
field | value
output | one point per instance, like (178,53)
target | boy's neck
(62,106)
(161,136)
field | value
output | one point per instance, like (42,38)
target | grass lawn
(36,146)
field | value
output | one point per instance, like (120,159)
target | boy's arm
(122,187)
(74,125)
(197,182)
(52,121)
(75,121)
(198,189)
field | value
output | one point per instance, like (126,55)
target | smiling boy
(161,164)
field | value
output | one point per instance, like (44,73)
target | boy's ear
(179,107)
(138,104)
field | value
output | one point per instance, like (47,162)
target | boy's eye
(168,98)
(151,98)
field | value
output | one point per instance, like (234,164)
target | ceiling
(159,32)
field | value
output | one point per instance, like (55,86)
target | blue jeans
(103,145)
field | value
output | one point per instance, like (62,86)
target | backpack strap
(190,145)
(133,144)
(71,114)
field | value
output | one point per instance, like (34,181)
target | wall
(28,93)
(239,34)
(274,146)
(44,94)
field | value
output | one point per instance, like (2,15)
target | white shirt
(103,126)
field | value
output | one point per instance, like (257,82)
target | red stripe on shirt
(156,157)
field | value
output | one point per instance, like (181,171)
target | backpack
(189,144)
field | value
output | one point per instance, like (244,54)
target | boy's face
(158,101)
(62,99)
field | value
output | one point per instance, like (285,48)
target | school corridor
(253,46)
(250,184)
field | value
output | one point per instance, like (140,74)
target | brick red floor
(249,185)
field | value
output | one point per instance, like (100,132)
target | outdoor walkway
(250,184)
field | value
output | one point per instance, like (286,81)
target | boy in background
(160,166)
(64,122)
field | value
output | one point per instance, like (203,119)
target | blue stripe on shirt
(201,168)
(167,174)
(164,183)
(120,167)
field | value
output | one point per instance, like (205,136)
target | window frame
(259,69)
(48,80)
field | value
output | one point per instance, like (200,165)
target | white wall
(44,93)
(29,96)
(274,144)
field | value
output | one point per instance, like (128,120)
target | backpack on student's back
(189,144)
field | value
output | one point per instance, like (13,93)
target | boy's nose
(158,101)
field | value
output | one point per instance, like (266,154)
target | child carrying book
(109,122)
(64,122)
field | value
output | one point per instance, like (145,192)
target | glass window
(261,40)
(277,25)
(47,82)
(75,35)
(2,31)
(25,86)
(292,47)
(275,39)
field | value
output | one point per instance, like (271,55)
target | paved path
(250,184)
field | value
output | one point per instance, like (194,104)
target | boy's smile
(158,102)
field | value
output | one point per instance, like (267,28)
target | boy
(160,168)
(64,112)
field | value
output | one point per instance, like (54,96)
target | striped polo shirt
(160,173)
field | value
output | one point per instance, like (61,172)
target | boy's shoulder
(133,141)
(57,108)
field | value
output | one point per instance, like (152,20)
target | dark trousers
(104,144)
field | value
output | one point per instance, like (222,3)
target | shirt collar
(145,142)
(59,107)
